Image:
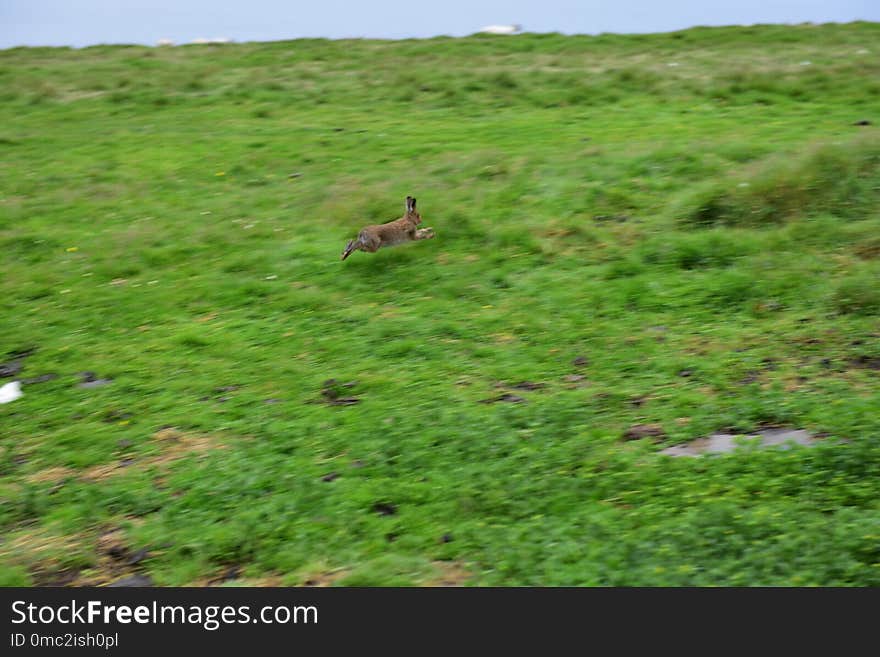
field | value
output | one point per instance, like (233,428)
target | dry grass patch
(50,557)
(173,445)
(449,573)
(51,475)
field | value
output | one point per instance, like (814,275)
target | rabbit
(373,238)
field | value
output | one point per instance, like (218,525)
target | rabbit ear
(410,204)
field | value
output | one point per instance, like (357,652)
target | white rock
(10,392)
(502,29)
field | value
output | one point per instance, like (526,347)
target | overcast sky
(88,22)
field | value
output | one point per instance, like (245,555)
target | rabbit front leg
(424,233)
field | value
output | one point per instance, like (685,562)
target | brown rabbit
(373,238)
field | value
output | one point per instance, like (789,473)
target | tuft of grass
(711,249)
(842,179)
(858,293)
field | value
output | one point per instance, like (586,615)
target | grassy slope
(602,197)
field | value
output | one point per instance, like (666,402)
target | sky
(89,22)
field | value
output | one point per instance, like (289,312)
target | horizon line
(221,41)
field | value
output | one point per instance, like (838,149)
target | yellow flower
(71,249)
(220,173)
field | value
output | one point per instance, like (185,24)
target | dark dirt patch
(527,385)
(16,361)
(219,393)
(344,401)
(506,397)
(866,362)
(862,122)
(42,378)
(56,578)
(330,476)
(384,508)
(685,373)
(117,552)
(116,415)
(20,354)
(576,381)
(324,579)
(91,380)
(581,361)
(333,392)
(118,564)
(11,368)
(230,573)
(111,544)
(751,376)
(639,431)
(137,556)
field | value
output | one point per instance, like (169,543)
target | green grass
(693,213)
(839,178)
